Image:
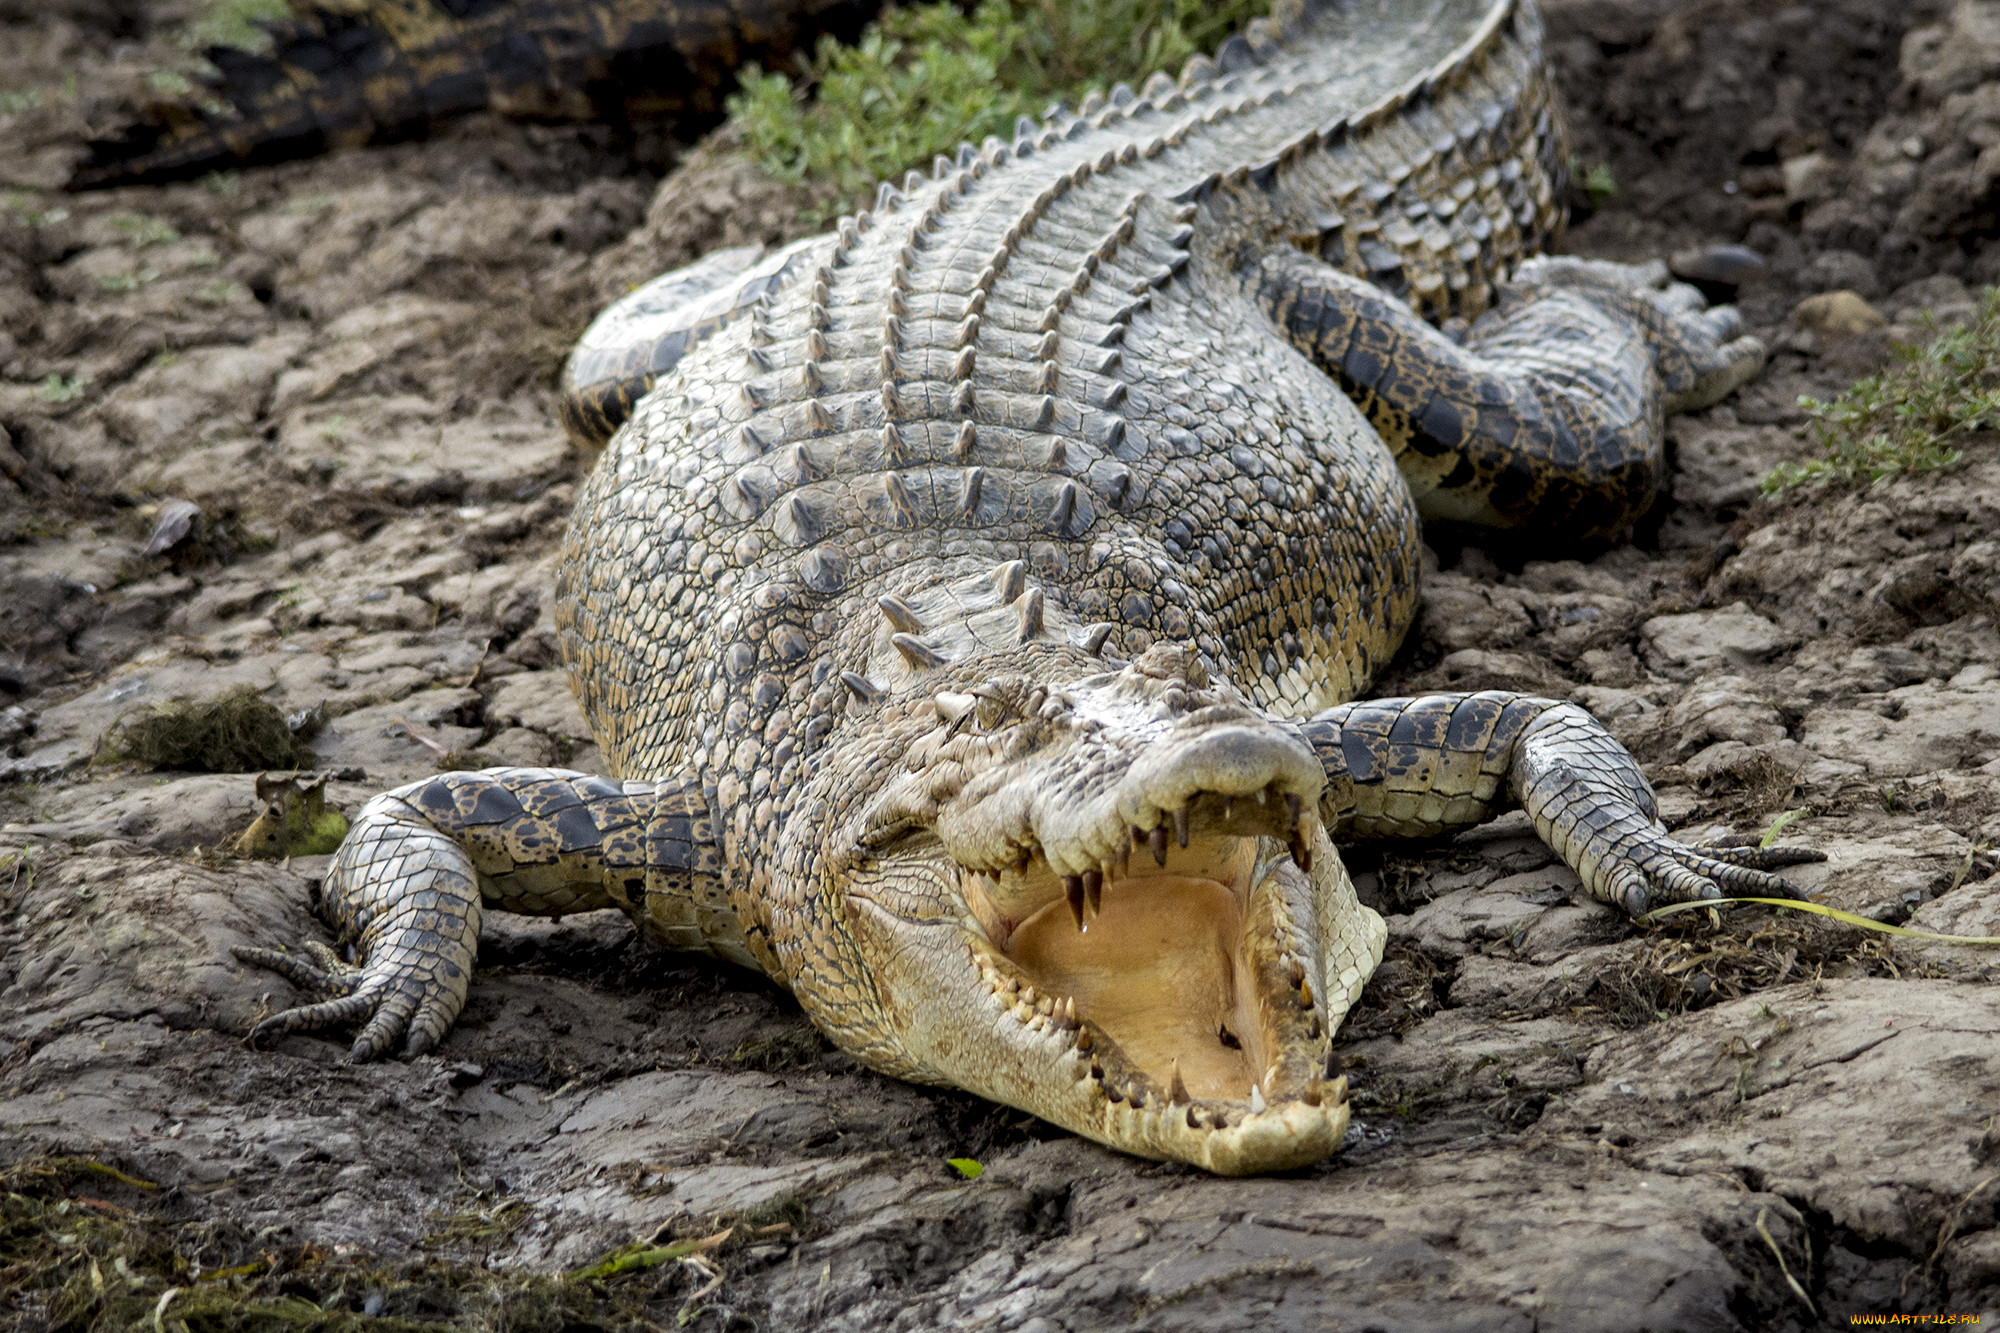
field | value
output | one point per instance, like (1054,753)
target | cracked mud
(1561,1122)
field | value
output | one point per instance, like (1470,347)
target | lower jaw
(1281,1137)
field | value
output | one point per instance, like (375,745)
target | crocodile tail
(348,72)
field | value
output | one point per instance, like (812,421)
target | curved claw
(323,979)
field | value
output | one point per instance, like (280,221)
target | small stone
(1808,178)
(1913,147)
(1730,265)
(1839,314)
(374,1305)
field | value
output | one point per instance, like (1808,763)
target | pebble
(1839,314)
(1730,265)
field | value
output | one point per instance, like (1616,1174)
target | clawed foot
(1702,354)
(1593,807)
(392,1002)
(1657,870)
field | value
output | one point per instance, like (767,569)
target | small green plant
(1778,826)
(1597,182)
(965,1166)
(22,205)
(1911,417)
(13,101)
(236,23)
(220,292)
(127,282)
(169,84)
(924,79)
(56,388)
(134,229)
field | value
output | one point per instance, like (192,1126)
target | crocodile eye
(991,713)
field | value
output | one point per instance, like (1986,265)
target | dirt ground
(1562,1122)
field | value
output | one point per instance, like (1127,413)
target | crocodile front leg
(1419,768)
(420,863)
(1549,416)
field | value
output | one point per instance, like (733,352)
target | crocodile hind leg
(420,863)
(1549,414)
(1423,767)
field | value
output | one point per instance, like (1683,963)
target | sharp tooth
(1073,889)
(1306,994)
(1028,996)
(1271,1076)
(1228,808)
(1123,858)
(1260,796)
(1069,1012)
(1193,1121)
(1137,1096)
(1158,841)
(1083,1039)
(1180,826)
(1301,852)
(1256,1100)
(1295,971)
(1093,891)
(1177,1092)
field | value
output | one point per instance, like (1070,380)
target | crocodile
(351,72)
(975,604)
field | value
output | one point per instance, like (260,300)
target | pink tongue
(1156,971)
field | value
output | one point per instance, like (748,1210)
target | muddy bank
(1561,1122)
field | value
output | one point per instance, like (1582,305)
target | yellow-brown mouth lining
(1179,973)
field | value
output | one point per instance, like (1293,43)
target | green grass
(1914,416)
(926,78)
(236,23)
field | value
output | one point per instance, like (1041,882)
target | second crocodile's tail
(347,72)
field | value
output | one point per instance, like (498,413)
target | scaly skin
(343,74)
(845,599)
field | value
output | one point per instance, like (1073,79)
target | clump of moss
(1911,417)
(924,79)
(236,731)
(294,822)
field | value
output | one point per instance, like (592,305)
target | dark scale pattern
(1059,509)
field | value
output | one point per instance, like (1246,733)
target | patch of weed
(237,731)
(1687,963)
(13,101)
(138,230)
(924,79)
(56,388)
(1596,182)
(84,1246)
(236,23)
(1911,417)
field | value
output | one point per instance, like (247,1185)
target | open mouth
(1177,968)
